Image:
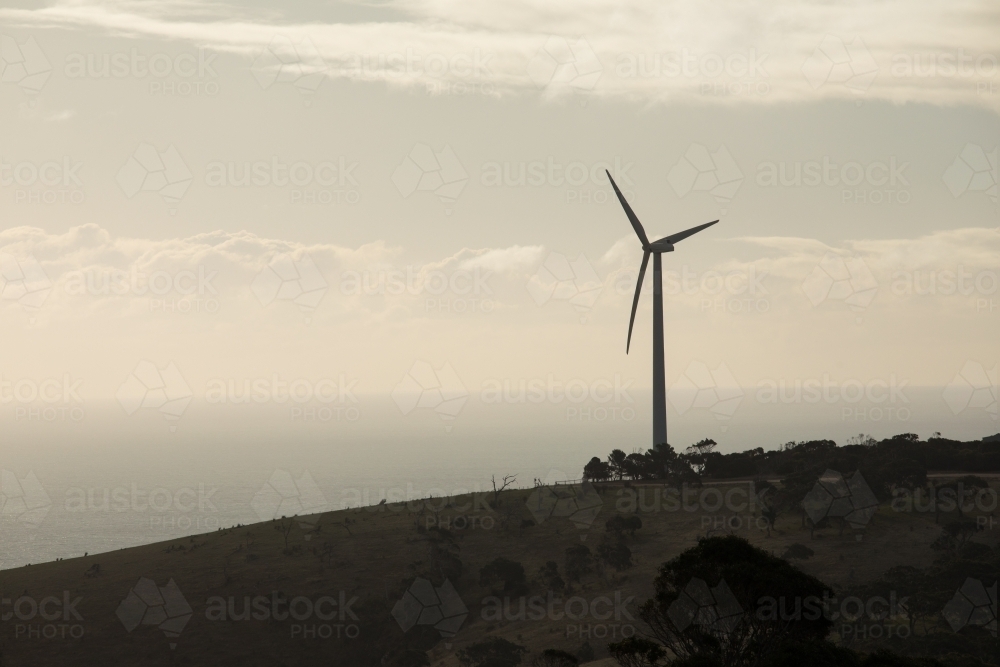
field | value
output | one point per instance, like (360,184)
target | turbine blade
(680,236)
(636,225)
(635,301)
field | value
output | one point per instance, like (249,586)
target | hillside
(359,563)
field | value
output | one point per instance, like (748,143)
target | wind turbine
(656,248)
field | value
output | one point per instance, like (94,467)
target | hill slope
(344,574)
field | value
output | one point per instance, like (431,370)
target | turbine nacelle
(663,245)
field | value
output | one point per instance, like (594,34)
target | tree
(616,462)
(284,526)
(596,470)
(507,481)
(493,652)
(507,572)
(637,466)
(743,628)
(956,535)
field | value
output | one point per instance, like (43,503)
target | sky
(398,212)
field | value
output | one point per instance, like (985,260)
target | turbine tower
(656,248)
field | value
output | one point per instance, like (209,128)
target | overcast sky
(410,196)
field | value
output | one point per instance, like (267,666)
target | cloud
(971,247)
(82,260)
(489,43)
(503,260)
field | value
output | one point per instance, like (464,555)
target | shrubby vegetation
(903,459)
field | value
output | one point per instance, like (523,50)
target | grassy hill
(346,572)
